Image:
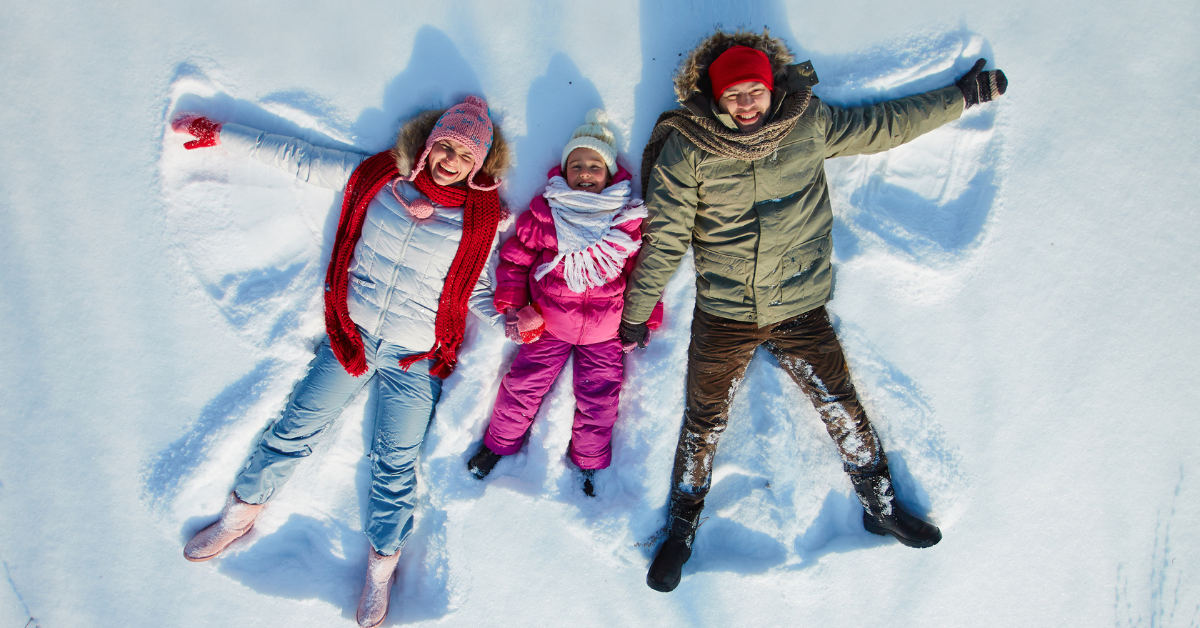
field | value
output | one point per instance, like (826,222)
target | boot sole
(873,528)
(658,586)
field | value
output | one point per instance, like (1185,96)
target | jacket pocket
(722,277)
(807,270)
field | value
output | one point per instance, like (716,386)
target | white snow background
(1014,294)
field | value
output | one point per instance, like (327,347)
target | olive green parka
(761,229)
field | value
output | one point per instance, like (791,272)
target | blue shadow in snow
(837,528)
(556,103)
(300,561)
(915,225)
(437,76)
(164,474)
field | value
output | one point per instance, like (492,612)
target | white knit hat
(594,135)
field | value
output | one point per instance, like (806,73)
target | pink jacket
(580,319)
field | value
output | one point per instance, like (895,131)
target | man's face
(748,103)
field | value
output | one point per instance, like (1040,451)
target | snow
(1015,294)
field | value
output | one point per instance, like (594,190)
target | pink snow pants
(599,368)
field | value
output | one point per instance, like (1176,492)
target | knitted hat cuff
(605,151)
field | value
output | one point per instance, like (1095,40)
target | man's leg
(808,349)
(718,356)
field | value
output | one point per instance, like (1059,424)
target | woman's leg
(599,369)
(406,400)
(316,401)
(521,391)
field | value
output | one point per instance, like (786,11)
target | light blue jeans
(406,400)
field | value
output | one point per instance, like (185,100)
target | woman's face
(449,162)
(586,171)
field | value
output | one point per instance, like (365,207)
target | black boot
(665,571)
(589,482)
(883,515)
(483,462)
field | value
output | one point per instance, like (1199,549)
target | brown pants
(808,349)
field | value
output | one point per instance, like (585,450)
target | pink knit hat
(468,124)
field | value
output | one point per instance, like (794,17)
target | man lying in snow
(738,174)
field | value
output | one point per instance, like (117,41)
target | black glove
(634,334)
(978,86)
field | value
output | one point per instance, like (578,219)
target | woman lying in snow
(418,226)
(561,280)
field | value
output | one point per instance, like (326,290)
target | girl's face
(586,171)
(449,162)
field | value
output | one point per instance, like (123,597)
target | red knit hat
(738,64)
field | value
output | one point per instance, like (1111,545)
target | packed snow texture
(1015,293)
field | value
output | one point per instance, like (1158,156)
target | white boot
(236,520)
(373,605)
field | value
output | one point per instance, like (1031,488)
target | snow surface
(1016,294)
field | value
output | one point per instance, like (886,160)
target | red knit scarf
(481,216)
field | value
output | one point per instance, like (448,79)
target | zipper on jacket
(391,287)
(584,309)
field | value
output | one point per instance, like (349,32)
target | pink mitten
(206,132)
(523,326)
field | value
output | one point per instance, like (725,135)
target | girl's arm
(517,257)
(326,167)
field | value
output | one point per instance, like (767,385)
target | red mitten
(656,317)
(530,323)
(206,132)
(523,326)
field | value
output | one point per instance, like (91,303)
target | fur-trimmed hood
(410,141)
(692,76)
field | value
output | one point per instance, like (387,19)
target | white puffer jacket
(400,262)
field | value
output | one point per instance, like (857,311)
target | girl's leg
(316,401)
(599,369)
(406,403)
(521,391)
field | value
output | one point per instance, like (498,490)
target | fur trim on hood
(692,76)
(410,141)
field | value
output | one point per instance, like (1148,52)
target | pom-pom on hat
(595,135)
(738,64)
(468,124)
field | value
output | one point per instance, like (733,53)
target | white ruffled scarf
(591,249)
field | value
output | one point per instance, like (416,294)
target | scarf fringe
(444,357)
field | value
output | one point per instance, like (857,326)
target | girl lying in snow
(418,226)
(560,283)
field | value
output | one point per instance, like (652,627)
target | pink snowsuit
(585,322)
